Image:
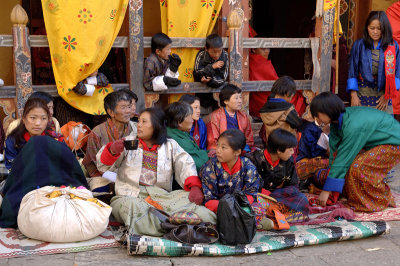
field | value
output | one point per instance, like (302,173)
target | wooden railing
(21,41)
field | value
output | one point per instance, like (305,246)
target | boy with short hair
(278,112)
(211,64)
(161,67)
(277,170)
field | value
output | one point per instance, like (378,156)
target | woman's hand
(382,103)
(117,147)
(196,195)
(323,198)
(355,100)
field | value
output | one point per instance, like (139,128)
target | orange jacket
(218,124)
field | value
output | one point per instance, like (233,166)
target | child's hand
(323,198)
(218,64)
(174,62)
(205,79)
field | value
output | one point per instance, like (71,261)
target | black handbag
(202,233)
(234,224)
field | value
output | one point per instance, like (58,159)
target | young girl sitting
(34,122)
(228,171)
(276,168)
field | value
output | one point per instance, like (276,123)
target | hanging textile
(393,14)
(329,4)
(81,34)
(194,20)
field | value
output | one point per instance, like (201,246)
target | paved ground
(380,250)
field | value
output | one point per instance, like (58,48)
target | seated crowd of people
(181,163)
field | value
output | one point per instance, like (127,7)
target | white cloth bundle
(54,214)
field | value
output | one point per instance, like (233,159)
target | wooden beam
(122,42)
(8,92)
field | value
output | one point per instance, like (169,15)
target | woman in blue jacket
(374,65)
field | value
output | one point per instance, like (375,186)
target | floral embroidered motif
(57,59)
(69,43)
(52,6)
(112,14)
(100,41)
(103,90)
(170,25)
(85,16)
(98,113)
(214,14)
(83,67)
(182,3)
(188,73)
(192,25)
(207,3)
(60,85)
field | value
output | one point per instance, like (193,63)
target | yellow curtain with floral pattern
(188,18)
(329,4)
(81,34)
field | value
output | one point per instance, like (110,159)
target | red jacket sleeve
(192,181)
(248,132)
(212,133)
(212,205)
(106,157)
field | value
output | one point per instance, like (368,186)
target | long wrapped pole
(337,45)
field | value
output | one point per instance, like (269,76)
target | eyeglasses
(125,107)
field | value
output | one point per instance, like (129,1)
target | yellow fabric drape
(329,4)
(81,34)
(193,19)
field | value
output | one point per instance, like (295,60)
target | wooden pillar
(235,21)
(362,9)
(235,46)
(21,58)
(328,19)
(245,34)
(135,49)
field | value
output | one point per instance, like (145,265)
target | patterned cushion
(184,217)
